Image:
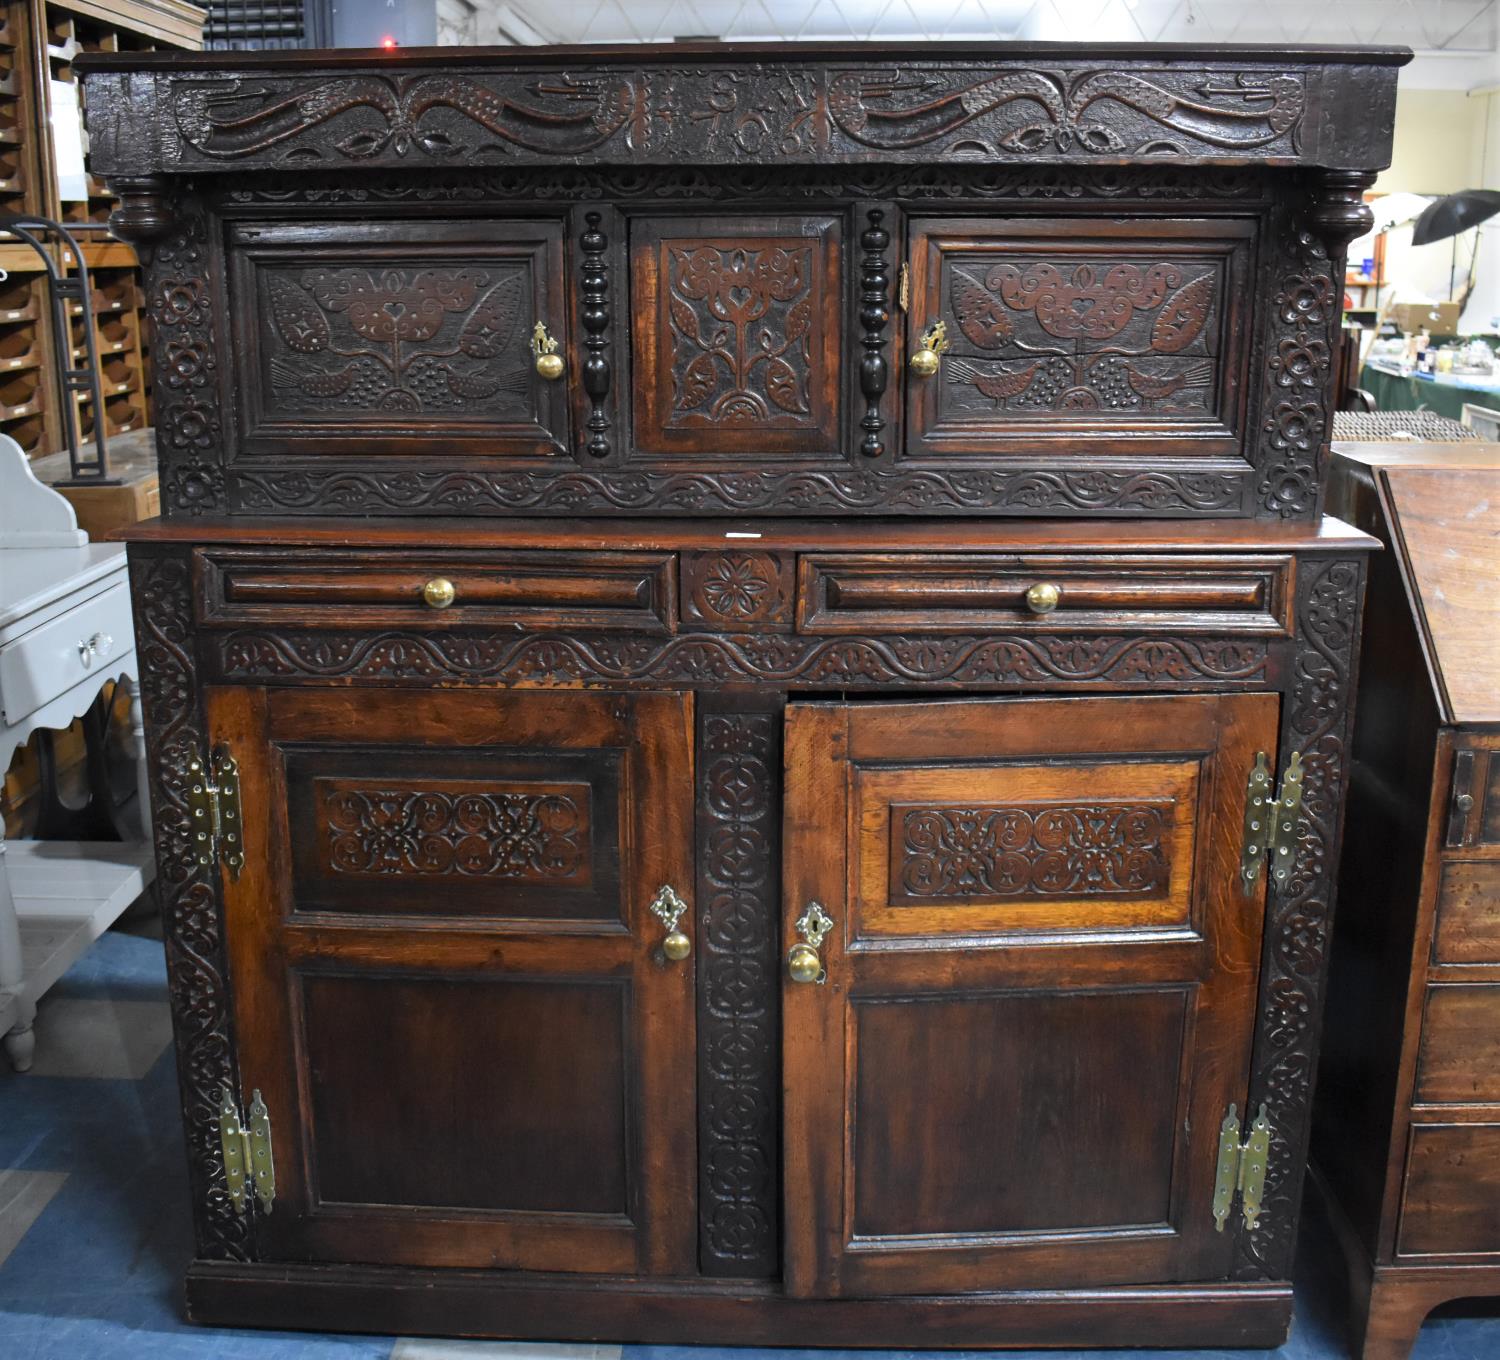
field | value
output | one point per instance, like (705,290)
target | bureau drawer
(1451,1205)
(537,589)
(1459,1059)
(862,592)
(1468,913)
(38,666)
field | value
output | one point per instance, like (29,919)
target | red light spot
(387,41)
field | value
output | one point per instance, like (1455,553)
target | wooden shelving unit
(39,41)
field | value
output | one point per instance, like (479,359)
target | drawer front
(1131,334)
(397,337)
(536,589)
(1452,1200)
(860,592)
(1459,1060)
(46,662)
(1468,913)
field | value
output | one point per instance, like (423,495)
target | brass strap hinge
(214,805)
(903,288)
(248,1160)
(1242,1168)
(1271,822)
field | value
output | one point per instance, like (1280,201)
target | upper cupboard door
(1131,333)
(1039,991)
(397,337)
(451,989)
(736,325)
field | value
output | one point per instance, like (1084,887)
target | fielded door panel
(1039,994)
(450,988)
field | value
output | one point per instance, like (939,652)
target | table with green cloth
(1443,393)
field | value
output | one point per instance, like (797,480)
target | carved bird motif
(1160,386)
(312,382)
(999,387)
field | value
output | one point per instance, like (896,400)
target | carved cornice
(400,657)
(877,108)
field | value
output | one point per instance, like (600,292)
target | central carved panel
(536,833)
(1031,849)
(737,335)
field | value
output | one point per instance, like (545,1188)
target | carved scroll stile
(874,316)
(193,926)
(593,288)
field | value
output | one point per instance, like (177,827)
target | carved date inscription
(532,833)
(1102,334)
(1031,850)
(363,341)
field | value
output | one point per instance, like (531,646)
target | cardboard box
(1436,318)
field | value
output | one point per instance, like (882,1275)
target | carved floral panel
(1046,336)
(1032,850)
(738,336)
(533,833)
(354,343)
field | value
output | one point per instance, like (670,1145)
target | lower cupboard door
(450,988)
(1038,989)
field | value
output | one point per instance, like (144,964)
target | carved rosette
(251,655)
(191,918)
(1317,720)
(738,591)
(1297,401)
(180,297)
(738,1020)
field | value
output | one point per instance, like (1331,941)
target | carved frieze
(1032,850)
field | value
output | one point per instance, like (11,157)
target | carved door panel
(1129,333)
(736,331)
(1039,993)
(397,337)
(450,988)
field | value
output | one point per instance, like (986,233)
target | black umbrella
(1457,212)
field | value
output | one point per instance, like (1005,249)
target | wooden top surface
(1445,520)
(795,535)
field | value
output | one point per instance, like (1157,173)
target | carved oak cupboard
(747,685)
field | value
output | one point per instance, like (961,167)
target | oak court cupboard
(747,684)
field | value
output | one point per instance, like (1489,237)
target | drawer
(1468,913)
(38,666)
(1451,1205)
(1459,1059)
(958,592)
(355,589)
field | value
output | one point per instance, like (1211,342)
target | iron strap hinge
(1271,822)
(248,1160)
(1242,1168)
(214,806)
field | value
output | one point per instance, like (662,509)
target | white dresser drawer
(87,640)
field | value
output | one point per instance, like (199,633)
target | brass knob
(1042,598)
(924,359)
(438,593)
(669,908)
(676,946)
(803,963)
(549,363)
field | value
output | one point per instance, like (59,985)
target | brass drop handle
(668,908)
(439,593)
(549,363)
(1043,597)
(924,359)
(803,961)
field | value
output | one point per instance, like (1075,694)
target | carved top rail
(733,104)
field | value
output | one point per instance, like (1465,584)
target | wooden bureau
(1407,1138)
(747,682)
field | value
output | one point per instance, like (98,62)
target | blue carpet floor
(94,1230)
